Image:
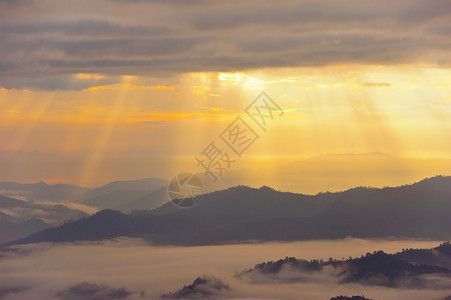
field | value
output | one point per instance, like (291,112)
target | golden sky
(130,90)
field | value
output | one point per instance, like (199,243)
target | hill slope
(420,210)
(378,268)
(20,218)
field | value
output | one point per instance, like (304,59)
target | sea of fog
(41,271)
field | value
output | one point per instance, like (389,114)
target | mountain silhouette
(377,268)
(125,196)
(141,194)
(42,191)
(20,218)
(238,214)
(336,172)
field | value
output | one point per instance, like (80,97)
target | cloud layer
(44,43)
(132,267)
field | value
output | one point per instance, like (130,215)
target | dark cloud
(201,288)
(56,82)
(124,47)
(324,13)
(12,3)
(153,37)
(84,27)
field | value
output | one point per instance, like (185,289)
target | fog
(133,269)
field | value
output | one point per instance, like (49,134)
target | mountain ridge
(420,210)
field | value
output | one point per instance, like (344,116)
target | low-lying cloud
(48,271)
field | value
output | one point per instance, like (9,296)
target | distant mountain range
(28,208)
(127,195)
(311,175)
(41,191)
(238,214)
(320,173)
(121,195)
(336,172)
(20,218)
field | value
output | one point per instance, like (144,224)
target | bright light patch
(90,76)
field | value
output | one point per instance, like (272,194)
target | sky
(95,91)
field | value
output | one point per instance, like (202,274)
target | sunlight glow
(328,110)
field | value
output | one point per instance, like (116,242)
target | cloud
(151,38)
(377,84)
(19,195)
(84,27)
(70,205)
(40,271)
(201,288)
(58,82)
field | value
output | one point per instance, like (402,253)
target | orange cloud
(130,86)
(90,76)
(13,90)
(153,87)
(377,84)
(94,88)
